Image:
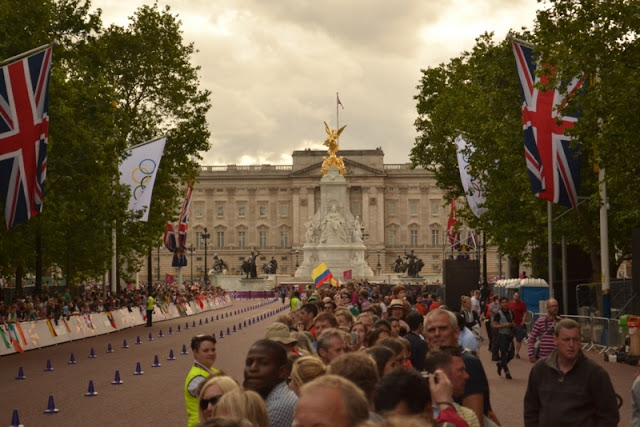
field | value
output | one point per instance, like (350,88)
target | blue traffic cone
(221,334)
(171,356)
(138,369)
(234,328)
(228,332)
(239,326)
(160,334)
(21,374)
(200,322)
(206,320)
(156,362)
(150,338)
(124,344)
(186,325)
(72,359)
(217,317)
(49,367)
(245,323)
(92,354)
(15,419)
(138,340)
(179,330)
(170,331)
(184,350)
(212,317)
(51,407)
(91,391)
(194,324)
(110,348)
(116,379)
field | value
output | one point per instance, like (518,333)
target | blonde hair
(306,369)
(226,384)
(246,404)
(303,343)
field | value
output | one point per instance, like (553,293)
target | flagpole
(520,41)
(550,246)
(147,142)
(605,278)
(337,112)
(25,54)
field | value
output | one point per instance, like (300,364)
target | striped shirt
(543,328)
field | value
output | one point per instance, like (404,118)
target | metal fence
(621,296)
(598,333)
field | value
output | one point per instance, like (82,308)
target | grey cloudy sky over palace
(274,66)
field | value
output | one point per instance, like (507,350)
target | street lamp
(379,267)
(191,250)
(205,236)
(297,265)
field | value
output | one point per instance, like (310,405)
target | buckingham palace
(238,208)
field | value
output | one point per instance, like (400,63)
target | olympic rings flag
(138,171)
(472,186)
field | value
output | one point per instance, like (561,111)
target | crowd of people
(89,297)
(353,357)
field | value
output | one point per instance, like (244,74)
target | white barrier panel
(123,318)
(160,312)
(172,312)
(195,308)
(38,334)
(188,309)
(101,324)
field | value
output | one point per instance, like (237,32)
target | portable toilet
(512,287)
(534,293)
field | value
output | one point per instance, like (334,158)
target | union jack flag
(170,237)
(183,224)
(553,165)
(24,132)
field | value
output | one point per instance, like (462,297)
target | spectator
(542,331)
(503,322)
(304,370)
(519,309)
(331,344)
(265,372)
(384,358)
(331,400)
(441,330)
(419,346)
(324,321)
(211,392)
(280,332)
(568,387)
(244,404)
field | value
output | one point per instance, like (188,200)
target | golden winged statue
(332,144)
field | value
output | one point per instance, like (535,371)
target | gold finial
(332,144)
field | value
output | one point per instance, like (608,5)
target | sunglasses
(204,403)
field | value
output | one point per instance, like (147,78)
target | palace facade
(266,207)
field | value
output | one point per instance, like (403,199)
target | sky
(274,66)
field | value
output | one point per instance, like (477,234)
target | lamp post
(297,265)
(205,236)
(191,250)
(379,267)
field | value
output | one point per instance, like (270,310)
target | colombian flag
(321,274)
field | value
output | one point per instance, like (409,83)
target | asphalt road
(156,397)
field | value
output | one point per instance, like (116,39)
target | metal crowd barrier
(598,333)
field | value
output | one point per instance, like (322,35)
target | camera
(426,375)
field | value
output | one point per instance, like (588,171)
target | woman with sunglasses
(211,392)
(204,353)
